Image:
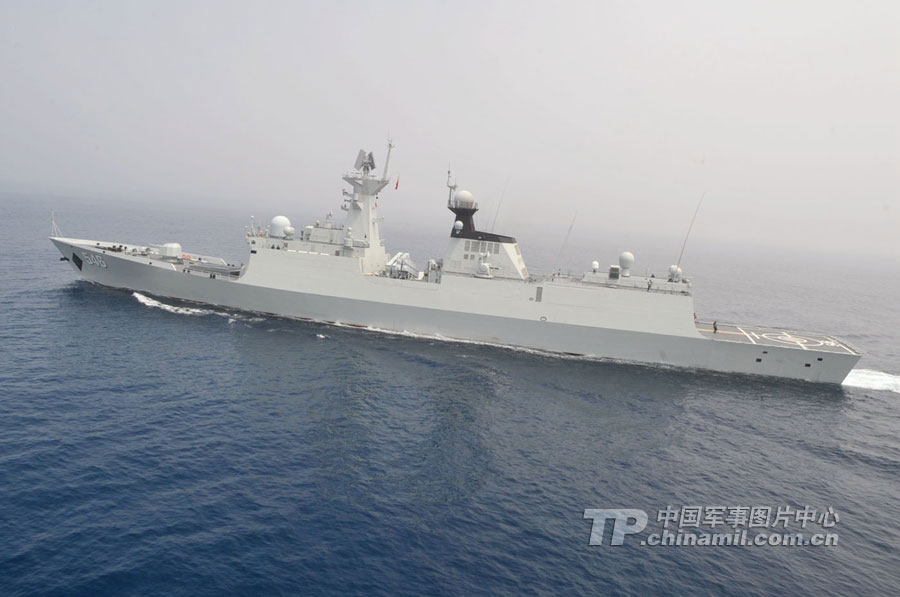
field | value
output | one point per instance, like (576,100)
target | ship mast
(361,224)
(387,161)
(452,187)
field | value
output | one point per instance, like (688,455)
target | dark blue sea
(150,447)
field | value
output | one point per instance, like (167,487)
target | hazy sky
(786,114)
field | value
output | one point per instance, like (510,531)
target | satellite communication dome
(457,225)
(595,265)
(289,231)
(464,199)
(277,226)
(626,261)
(170,250)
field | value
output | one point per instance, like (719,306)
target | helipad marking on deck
(803,342)
(752,341)
(709,330)
(835,343)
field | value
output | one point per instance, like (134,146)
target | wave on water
(149,302)
(232,317)
(873,380)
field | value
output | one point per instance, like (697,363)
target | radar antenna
(365,162)
(360,159)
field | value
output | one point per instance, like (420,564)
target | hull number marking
(92,259)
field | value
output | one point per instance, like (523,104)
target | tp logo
(621,526)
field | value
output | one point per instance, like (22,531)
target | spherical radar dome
(626,260)
(464,199)
(277,226)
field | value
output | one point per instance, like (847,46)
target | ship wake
(155,304)
(873,380)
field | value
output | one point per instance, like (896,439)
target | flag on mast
(397,186)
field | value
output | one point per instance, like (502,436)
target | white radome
(170,250)
(626,262)
(278,225)
(464,198)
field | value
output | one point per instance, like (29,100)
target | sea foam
(873,380)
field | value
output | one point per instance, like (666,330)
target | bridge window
(468,245)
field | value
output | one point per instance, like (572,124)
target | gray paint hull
(471,310)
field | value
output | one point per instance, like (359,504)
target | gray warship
(479,291)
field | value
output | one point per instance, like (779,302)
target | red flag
(397,186)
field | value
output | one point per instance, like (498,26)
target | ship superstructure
(481,290)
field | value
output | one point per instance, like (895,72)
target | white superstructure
(481,290)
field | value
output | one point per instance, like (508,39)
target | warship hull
(552,315)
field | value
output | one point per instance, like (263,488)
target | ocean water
(154,447)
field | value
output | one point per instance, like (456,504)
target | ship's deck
(772,337)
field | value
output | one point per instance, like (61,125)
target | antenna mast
(566,240)
(686,236)
(452,187)
(54,229)
(387,160)
(500,204)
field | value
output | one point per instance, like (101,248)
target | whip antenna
(497,213)
(686,236)
(566,240)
